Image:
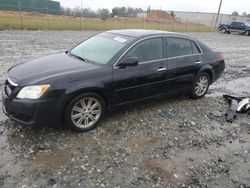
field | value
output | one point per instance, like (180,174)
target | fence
(21,18)
(41,6)
(209,18)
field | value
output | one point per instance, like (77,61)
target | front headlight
(32,92)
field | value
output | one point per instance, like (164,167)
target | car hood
(43,68)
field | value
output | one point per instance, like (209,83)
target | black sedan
(107,70)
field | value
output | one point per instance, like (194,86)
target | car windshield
(100,48)
(247,24)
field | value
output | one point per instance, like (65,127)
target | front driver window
(147,50)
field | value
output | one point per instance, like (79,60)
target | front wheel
(200,86)
(84,112)
(224,31)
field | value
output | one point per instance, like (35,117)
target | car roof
(140,33)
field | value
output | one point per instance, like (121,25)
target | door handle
(161,69)
(198,62)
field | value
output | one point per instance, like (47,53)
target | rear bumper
(218,70)
(32,112)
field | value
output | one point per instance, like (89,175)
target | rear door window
(195,48)
(178,47)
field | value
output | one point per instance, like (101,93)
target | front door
(148,78)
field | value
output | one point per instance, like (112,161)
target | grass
(35,21)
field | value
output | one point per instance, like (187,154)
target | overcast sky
(228,6)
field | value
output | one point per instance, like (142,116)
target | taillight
(222,58)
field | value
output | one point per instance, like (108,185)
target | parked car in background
(235,27)
(108,70)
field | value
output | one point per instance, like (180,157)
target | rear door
(148,78)
(237,27)
(184,60)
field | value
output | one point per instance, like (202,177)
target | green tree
(104,13)
(244,14)
(235,13)
(148,9)
(172,14)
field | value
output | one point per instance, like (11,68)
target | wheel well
(210,74)
(75,94)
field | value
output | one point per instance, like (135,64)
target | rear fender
(209,70)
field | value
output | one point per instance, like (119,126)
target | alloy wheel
(201,85)
(86,112)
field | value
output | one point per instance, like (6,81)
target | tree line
(102,13)
(235,13)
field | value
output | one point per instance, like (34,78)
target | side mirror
(129,61)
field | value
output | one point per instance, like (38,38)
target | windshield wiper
(78,57)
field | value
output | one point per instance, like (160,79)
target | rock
(221,159)
(242,186)
(236,153)
(193,123)
(216,113)
(51,182)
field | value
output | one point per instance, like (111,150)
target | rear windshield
(101,48)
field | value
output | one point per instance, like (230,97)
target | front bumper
(32,112)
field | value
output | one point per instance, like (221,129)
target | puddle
(18,138)
(54,160)
(165,169)
(174,170)
(238,87)
(10,166)
(57,157)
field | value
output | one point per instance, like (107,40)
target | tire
(84,112)
(224,30)
(200,86)
(247,33)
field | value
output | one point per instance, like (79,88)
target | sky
(228,6)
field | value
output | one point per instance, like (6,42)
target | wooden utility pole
(218,14)
(81,16)
(20,14)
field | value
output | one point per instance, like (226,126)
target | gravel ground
(168,142)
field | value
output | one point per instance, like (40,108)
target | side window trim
(164,37)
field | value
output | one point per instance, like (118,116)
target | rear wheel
(200,86)
(247,33)
(84,112)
